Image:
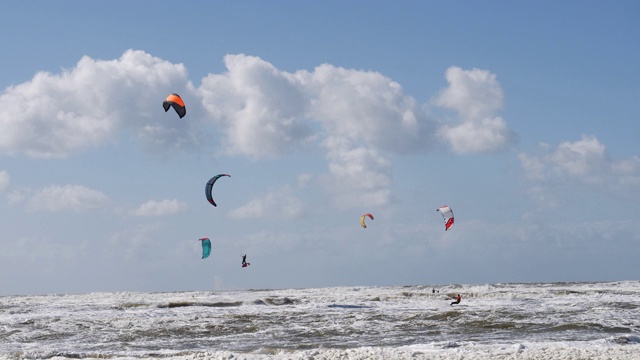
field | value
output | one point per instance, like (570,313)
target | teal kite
(206,247)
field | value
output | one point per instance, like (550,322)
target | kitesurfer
(458,298)
(244,261)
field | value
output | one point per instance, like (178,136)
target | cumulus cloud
(359,175)
(58,198)
(360,119)
(5,179)
(160,208)
(366,107)
(367,120)
(267,112)
(477,97)
(584,161)
(54,115)
(260,107)
(279,203)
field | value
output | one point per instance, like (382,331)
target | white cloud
(477,97)
(365,107)
(475,94)
(5,179)
(367,120)
(160,208)
(56,198)
(360,119)
(261,107)
(279,203)
(583,157)
(360,175)
(486,135)
(584,161)
(364,117)
(267,112)
(54,115)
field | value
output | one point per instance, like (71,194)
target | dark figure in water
(244,261)
(458,298)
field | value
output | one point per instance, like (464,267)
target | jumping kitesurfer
(244,261)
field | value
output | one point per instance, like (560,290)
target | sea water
(493,321)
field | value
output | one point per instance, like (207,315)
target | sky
(523,117)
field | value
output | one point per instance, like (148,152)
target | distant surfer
(244,261)
(458,298)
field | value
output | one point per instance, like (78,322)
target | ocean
(493,321)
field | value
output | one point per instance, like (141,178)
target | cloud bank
(585,161)
(160,208)
(361,120)
(59,198)
(55,115)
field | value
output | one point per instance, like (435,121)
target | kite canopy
(206,247)
(362,219)
(209,188)
(447,214)
(175,101)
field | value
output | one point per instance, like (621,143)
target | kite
(447,214)
(209,187)
(175,101)
(362,219)
(206,247)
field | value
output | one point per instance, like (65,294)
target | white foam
(344,322)
(551,351)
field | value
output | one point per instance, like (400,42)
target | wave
(277,301)
(348,306)
(625,340)
(178,304)
(589,326)
(595,321)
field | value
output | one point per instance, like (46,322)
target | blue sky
(521,116)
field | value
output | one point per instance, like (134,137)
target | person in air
(458,298)
(244,261)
